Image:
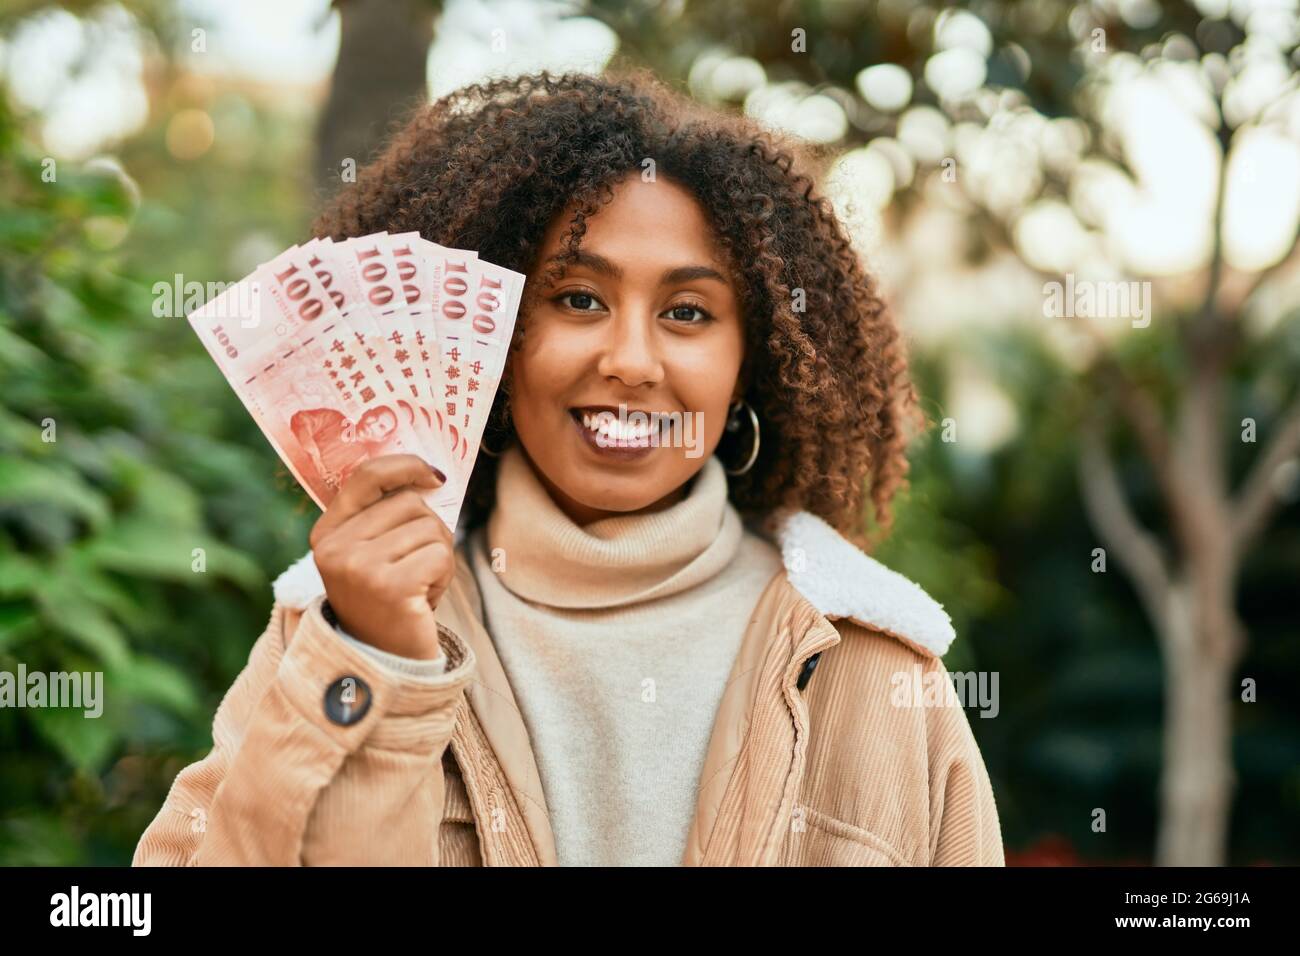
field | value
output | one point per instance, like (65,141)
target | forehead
(650,224)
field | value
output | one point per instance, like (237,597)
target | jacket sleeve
(284,785)
(965,830)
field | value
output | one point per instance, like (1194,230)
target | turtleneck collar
(612,562)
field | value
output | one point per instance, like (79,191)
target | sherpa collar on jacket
(833,575)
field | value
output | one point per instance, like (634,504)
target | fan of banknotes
(385,344)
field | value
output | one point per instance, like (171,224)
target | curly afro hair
(489,166)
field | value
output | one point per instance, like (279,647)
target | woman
(614,663)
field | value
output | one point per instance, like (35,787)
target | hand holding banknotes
(371,364)
(386,558)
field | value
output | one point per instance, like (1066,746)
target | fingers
(411,536)
(387,513)
(432,564)
(370,483)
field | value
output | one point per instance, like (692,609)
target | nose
(631,350)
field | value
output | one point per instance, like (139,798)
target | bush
(133,541)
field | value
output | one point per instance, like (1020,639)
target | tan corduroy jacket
(440,771)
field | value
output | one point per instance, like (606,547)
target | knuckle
(387,588)
(425,552)
(358,477)
(323,554)
(438,531)
(369,472)
(411,501)
(353,566)
(393,463)
(441,554)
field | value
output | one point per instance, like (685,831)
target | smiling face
(647,319)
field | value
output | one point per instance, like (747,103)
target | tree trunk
(1192,606)
(1197,777)
(1201,634)
(379,77)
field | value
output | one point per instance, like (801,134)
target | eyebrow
(598,263)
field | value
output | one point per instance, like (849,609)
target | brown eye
(579,301)
(688,314)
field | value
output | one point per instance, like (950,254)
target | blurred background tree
(977,151)
(378,77)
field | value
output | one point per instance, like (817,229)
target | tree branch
(1143,415)
(1256,502)
(1134,547)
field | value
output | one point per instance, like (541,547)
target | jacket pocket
(825,841)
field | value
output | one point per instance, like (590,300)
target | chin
(624,493)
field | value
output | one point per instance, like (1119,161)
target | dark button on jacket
(347,700)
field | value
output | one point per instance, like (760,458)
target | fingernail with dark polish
(438,472)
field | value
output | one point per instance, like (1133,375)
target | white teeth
(608,427)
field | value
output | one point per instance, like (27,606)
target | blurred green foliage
(125,465)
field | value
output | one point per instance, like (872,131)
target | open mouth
(603,428)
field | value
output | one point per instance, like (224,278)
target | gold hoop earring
(483,447)
(733,425)
(505,425)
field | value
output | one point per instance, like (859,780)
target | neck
(617,557)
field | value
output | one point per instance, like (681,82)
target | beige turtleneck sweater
(617,638)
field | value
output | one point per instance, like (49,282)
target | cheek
(704,380)
(542,373)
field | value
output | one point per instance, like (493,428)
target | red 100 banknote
(382,344)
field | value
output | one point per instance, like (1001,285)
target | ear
(742,381)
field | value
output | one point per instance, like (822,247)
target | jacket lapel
(754,765)
(755,759)
(492,745)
